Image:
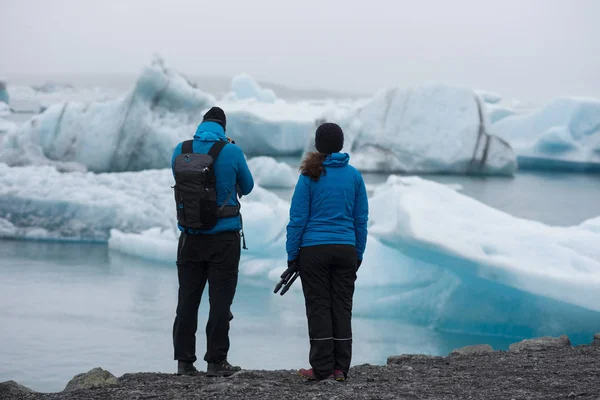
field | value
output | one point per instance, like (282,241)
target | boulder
(596,341)
(13,390)
(94,378)
(404,358)
(476,349)
(539,344)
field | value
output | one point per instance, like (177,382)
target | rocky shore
(543,368)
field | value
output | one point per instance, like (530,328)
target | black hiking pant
(201,259)
(328,273)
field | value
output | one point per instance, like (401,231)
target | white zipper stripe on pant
(327,338)
(343,339)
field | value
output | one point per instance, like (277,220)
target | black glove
(358,264)
(292,262)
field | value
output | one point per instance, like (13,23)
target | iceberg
(243,87)
(269,173)
(563,135)
(427,129)
(134,133)
(430,221)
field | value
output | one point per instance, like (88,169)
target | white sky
(533,49)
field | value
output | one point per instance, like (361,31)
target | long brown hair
(312,165)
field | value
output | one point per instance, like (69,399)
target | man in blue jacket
(210,255)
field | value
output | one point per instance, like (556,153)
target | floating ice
(426,129)
(564,135)
(433,128)
(432,222)
(426,220)
(430,253)
(243,87)
(269,173)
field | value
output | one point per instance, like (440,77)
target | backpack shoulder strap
(187,147)
(215,150)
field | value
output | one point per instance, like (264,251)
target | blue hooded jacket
(333,210)
(231,169)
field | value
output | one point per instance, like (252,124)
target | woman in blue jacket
(326,238)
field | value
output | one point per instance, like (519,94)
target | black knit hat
(217,115)
(329,138)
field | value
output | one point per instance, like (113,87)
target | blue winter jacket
(231,169)
(333,210)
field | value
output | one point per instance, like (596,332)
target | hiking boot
(338,375)
(186,368)
(222,368)
(310,375)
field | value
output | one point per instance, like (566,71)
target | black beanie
(217,115)
(329,138)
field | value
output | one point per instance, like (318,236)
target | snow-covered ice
(269,173)
(564,135)
(428,220)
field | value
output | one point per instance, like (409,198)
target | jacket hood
(210,132)
(336,160)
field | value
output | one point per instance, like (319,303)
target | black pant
(328,273)
(202,258)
